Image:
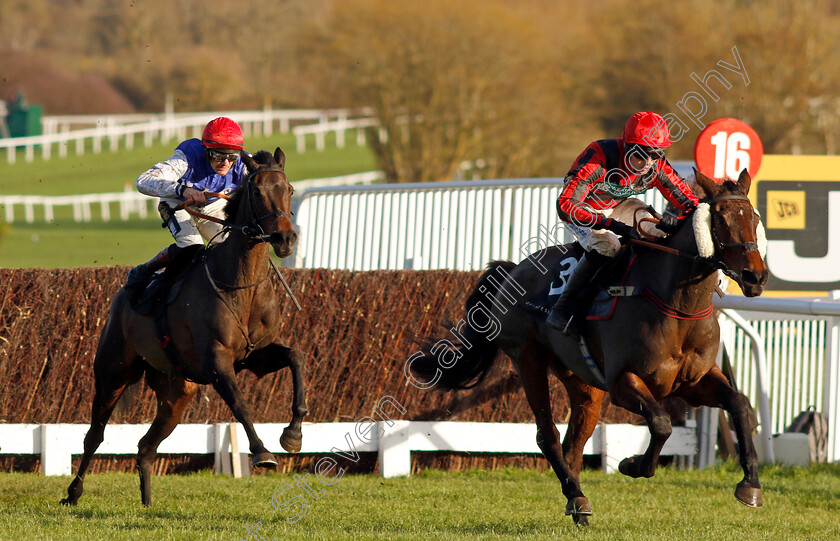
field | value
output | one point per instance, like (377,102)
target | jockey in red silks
(211,164)
(596,203)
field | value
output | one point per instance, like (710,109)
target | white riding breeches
(188,230)
(606,242)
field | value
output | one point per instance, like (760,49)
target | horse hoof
(66,501)
(291,440)
(581,520)
(264,460)
(629,467)
(749,496)
(578,506)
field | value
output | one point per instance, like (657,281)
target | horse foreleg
(631,393)
(275,357)
(714,390)
(292,437)
(226,386)
(585,404)
(173,394)
(534,374)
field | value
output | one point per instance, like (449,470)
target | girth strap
(670,311)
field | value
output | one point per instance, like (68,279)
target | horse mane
(265,160)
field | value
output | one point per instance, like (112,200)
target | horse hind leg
(585,403)
(631,393)
(714,390)
(534,374)
(111,381)
(173,395)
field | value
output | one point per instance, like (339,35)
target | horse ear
(708,184)
(280,158)
(248,161)
(744,181)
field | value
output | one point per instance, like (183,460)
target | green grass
(64,243)
(506,504)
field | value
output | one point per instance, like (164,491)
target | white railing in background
(394,441)
(800,346)
(124,129)
(339,127)
(434,225)
(131,202)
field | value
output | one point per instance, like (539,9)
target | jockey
(596,202)
(211,164)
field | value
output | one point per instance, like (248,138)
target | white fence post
(55,454)
(394,449)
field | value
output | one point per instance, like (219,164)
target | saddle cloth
(611,282)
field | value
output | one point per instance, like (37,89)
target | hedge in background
(356,331)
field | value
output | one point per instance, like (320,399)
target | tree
(451,82)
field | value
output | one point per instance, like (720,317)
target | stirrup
(572,327)
(569,327)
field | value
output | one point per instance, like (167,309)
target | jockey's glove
(668,224)
(621,229)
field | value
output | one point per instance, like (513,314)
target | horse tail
(466,364)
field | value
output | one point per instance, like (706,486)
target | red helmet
(648,129)
(223,132)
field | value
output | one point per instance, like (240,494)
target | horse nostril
(749,277)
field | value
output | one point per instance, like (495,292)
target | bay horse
(225,319)
(660,344)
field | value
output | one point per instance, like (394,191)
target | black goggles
(219,155)
(650,152)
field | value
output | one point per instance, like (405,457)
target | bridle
(252,230)
(747,246)
(718,245)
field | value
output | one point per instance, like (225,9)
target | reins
(658,303)
(254,230)
(749,246)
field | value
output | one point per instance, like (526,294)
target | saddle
(164,286)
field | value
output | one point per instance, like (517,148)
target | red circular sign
(726,147)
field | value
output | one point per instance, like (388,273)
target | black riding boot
(139,276)
(563,315)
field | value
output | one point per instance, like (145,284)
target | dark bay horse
(660,344)
(225,319)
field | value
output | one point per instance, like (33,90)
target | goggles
(650,152)
(214,155)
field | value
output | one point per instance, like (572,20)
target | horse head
(737,236)
(266,216)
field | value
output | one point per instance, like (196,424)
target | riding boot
(564,314)
(139,276)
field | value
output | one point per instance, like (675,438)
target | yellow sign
(785,209)
(799,201)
